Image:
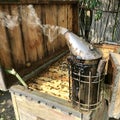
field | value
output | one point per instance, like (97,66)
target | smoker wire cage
(85,86)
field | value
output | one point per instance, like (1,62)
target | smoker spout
(80,48)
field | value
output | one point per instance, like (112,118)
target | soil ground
(6,108)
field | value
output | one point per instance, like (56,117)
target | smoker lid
(80,48)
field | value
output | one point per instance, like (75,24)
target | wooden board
(51,19)
(15,37)
(106,49)
(25,110)
(29,33)
(75,18)
(40,50)
(48,2)
(70,17)
(47,107)
(113,67)
(5,53)
(62,21)
(114,81)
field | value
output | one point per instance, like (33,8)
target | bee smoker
(86,71)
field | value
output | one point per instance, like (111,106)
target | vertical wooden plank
(29,26)
(23,1)
(16,39)
(51,19)
(62,21)
(70,17)
(62,15)
(75,18)
(5,55)
(40,46)
(31,110)
(43,21)
(32,1)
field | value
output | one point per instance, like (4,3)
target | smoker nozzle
(80,48)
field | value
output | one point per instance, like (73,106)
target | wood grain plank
(29,33)
(70,17)
(43,21)
(15,106)
(51,19)
(62,21)
(16,39)
(75,18)
(105,50)
(5,53)
(62,15)
(48,1)
(114,81)
(40,50)
(39,111)
(23,1)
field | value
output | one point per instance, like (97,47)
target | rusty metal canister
(86,84)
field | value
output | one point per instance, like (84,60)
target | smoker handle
(13,72)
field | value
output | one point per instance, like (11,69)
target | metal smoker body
(85,91)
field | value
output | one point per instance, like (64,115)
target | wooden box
(49,94)
(24,47)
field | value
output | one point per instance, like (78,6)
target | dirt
(6,107)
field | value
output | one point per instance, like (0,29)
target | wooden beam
(23,2)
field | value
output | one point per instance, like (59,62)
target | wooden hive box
(49,94)
(24,47)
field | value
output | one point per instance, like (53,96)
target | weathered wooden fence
(101,24)
(22,41)
(107,27)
